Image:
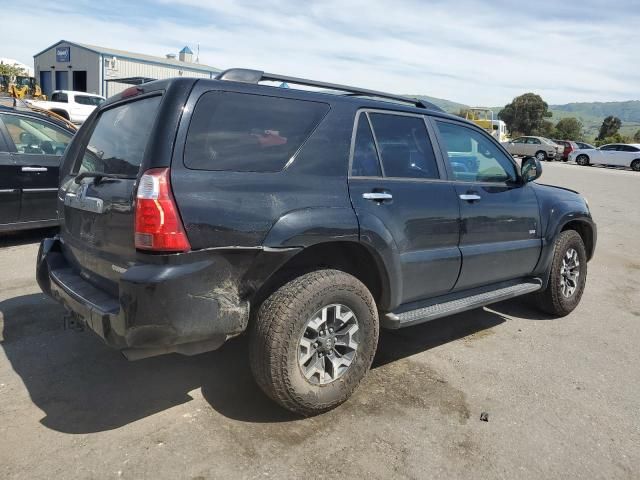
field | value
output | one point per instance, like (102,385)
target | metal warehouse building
(105,71)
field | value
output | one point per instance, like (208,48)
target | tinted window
(86,100)
(365,157)
(34,136)
(405,147)
(533,141)
(519,140)
(120,137)
(248,133)
(608,147)
(60,97)
(627,148)
(474,157)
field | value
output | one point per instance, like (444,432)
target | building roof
(111,52)
(186,50)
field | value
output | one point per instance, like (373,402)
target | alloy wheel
(328,344)
(569,273)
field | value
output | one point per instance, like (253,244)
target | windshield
(120,137)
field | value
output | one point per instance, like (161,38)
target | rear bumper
(160,308)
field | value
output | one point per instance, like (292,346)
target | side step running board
(451,307)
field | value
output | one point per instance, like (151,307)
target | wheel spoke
(307,350)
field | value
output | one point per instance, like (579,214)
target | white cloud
(466,51)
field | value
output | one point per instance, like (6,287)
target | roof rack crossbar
(255,76)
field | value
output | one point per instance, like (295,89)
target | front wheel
(541,156)
(635,165)
(567,278)
(313,341)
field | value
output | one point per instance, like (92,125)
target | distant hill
(591,114)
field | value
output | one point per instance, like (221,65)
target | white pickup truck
(74,106)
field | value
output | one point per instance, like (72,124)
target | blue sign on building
(63,54)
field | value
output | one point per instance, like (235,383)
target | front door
(37,147)
(399,196)
(500,222)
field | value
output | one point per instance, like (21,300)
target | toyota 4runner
(195,210)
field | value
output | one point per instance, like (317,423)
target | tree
(546,129)
(526,114)
(569,128)
(636,136)
(8,70)
(609,127)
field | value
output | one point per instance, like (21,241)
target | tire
(541,156)
(554,299)
(286,319)
(635,165)
(582,160)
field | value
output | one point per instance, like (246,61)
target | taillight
(158,223)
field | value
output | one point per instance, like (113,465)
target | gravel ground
(562,396)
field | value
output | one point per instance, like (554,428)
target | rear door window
(404,145)
(87,100)
(365,157)
(248,133)
(118,141)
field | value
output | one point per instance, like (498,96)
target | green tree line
(528,114)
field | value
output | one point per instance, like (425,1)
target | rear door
(98,225)
(500,236)
(37,147)
(9,187)
(397,190)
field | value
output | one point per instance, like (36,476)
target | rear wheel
(568,276)
(313,341)
(635,165)
(541,156)
(582,160)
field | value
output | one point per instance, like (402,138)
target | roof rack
(246,75)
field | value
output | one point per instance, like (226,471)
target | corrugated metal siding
(129,68)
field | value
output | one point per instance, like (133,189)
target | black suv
(195,210)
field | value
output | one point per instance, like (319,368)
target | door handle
(34,169)
(470,197)
(377,196)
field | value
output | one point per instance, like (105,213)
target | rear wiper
(100,175)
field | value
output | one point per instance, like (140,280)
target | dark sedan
(31,146)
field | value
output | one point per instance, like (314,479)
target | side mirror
(531,169)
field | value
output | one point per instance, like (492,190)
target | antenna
(198,54)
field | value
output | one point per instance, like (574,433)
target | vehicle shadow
(83,386)
(24,237)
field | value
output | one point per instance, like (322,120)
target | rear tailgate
(98,211)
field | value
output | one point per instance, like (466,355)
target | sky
(468,51)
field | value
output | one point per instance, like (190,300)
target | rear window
(120,137)
(248,133)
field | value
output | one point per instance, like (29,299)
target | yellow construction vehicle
(484,118)
(23,87)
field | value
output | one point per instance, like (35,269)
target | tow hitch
(72,321)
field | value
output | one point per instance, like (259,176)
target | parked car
(31,146)
(193,210)
(539,147)
(568,146)
(584,146)
(616,154)
(73,106)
